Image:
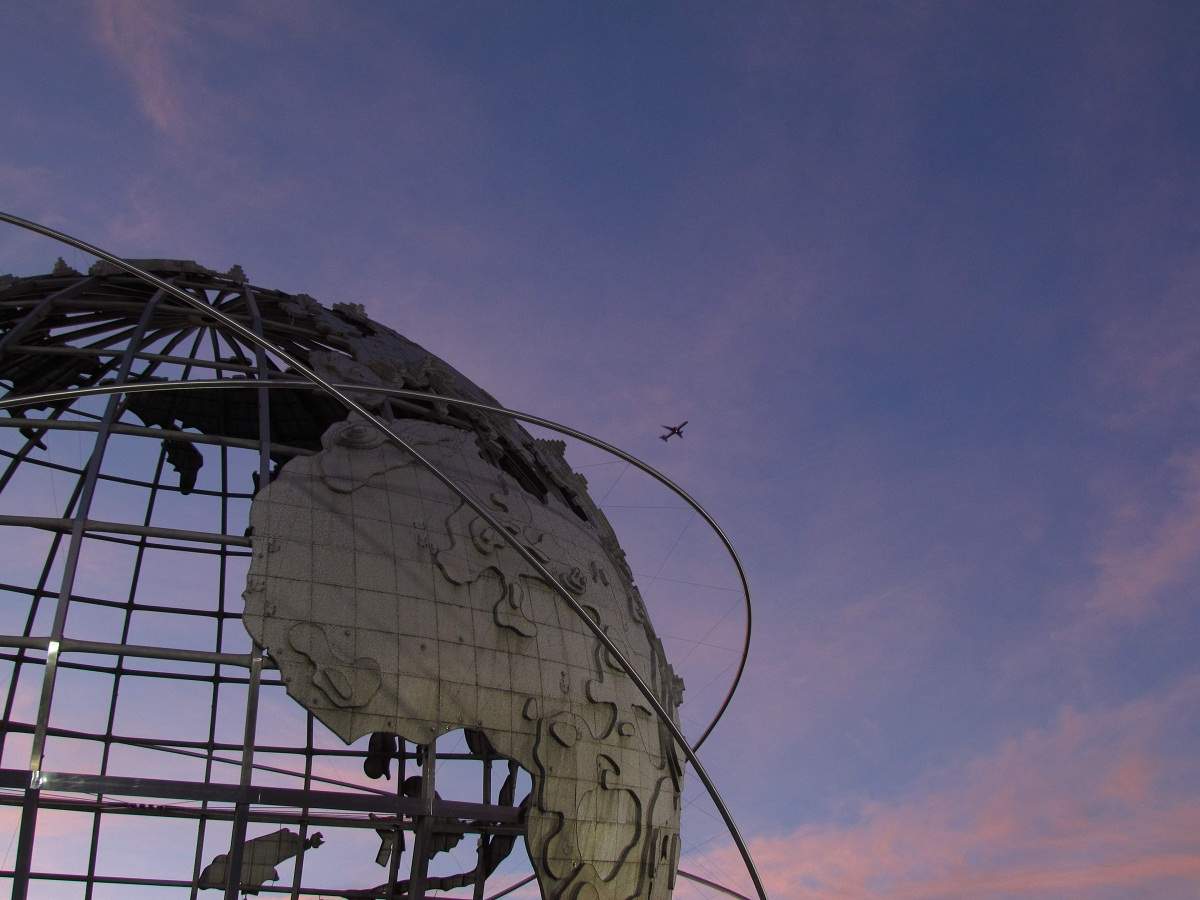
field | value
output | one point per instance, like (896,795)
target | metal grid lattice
(65,331)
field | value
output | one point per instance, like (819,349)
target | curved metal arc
(515,545)
(225,383)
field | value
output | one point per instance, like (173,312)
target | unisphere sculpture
(392,612)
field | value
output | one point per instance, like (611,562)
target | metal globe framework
(192,382)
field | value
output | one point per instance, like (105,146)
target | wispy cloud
(1149,546)
(1098,804)
(1148,354)
(158,49)
(146,43)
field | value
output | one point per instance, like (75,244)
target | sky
(922,277)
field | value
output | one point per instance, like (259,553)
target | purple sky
(923,276)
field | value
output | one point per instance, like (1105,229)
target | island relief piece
(260,856)
(390,606)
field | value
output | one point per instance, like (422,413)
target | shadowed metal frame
(257,340)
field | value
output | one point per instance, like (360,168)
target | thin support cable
(712,884)
(512,887)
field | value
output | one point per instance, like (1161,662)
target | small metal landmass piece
(260,856)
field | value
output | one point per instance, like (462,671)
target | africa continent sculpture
(390,608)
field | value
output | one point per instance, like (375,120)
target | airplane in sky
(672,431)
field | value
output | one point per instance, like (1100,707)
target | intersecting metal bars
(261,389)
(34,316)
(326,386)
(137,388)
(49,673)
(127,621)
(291,384)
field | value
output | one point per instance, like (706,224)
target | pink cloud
(154,46)
(1142,555)
(1097,804)
(1144,545)
(145,43)
(1148,547)
(1148,355)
